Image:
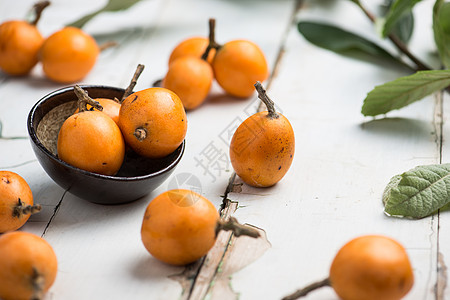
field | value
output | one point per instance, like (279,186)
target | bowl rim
(35,140)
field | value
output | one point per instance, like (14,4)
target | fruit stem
(84,100)
(129,89)
(212,39)
(22,209)
(157,83)
(267,101)
(37,281)
(309,288)
(238,229)
(107,45)
(37,9)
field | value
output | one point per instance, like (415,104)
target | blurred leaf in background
(399,19)
(111,6)
(397,25)
(343,42)
(441,29)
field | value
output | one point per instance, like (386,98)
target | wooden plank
(17,156)
(99,247)
(114,67)
(331,194)
(101,255)
(209,281)
(342,164)
(443,259)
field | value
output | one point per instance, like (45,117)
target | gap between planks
(125,78)
(441,268)
(210,266)
(438,122)
(55,211)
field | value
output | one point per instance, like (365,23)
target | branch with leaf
(110,6)
(397,26)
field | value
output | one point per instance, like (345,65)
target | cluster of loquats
(66,56)
(183,217)
(179,226)
(28,264)
(95,137)
(368,267)
(238,66)
(92,140)
(196,62)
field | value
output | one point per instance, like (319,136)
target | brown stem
(107,45)
(402,47)
(267,101)
(129,89)
(397,42)
(238,229)
(37,282)
(84,100)
(22,209)
(140,133)
(38,8)
(309,288)
(157,83)
(31,209)
(212,39)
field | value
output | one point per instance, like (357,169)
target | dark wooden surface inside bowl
(137,177)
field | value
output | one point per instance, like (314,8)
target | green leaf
(419,192)
(111,6)
(397,12)
(441,29)
(343,42)
(404,91)
(404,27)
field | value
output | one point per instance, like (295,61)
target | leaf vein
(419,191)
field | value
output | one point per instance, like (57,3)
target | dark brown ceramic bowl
(137,177)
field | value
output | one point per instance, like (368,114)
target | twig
(262,95)
(84,99)
(38,8)
(129,89)
(238,229)
(397,42)
(107,45)
(212,39)
(306,290)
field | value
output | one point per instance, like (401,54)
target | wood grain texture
(99,247)
(443,248)
(342,164)
(331,194)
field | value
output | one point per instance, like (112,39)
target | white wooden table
(331,194)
